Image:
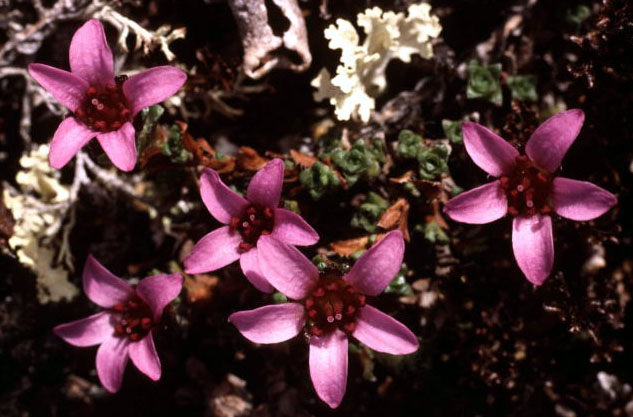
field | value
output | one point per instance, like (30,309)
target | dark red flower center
(528,188)
(333,304)
(254,222)
(134,319)
(105,109)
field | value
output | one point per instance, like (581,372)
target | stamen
(333,304)
(105,109)
(528,188)
(256,221)
(134,319)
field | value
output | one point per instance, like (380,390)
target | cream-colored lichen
(360,77)
(38,219)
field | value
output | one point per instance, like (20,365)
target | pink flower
(124,330)
(104,105)
(246,220)
(527,189)
(331,306)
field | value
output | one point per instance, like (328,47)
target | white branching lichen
(38,211)
(360,77)
(146,39)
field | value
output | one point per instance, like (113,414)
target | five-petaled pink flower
(125,329)
(246,220)
(103,105)
(331,306)
(527,189)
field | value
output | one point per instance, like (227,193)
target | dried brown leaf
(303,159)
(350,246)
(249,159)
(397,216)
(200,287)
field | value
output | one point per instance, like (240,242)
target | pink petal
(489,151)
(292,229)
(328,366)
(215,250)
(89,331)
(270,324)
(69,137)
(533,245)
(265,186)
(375,269)
(102,287)
(90,55)
(152,86)
(580,200)
(67,88)
(112,358)
(222,202)
(383,333)
(286,268)
(551,140)
(249,261)
(483,204)
(120,146)
(145,358)
(158,291)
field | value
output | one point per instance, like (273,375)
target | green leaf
(319,179)
(523,87)
(433,233)
(279,298)
(453,130)
(361,160)
(174,147)
(575,16)
(433,161)
(484,82)
(292,205)
(409,144)
(399,284)
(149,117)
(369,212)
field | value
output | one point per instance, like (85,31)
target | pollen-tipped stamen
(528,188)
(105,109)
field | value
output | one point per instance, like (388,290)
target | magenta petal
(67,88)
(328,366)
(533,245)
(292,229)
(375,269)
(270,324)
(265,186)
(90,56)
(383,333)
(145,358)
(249,261)
(489,151)
(112,358)
(215,250)
(69,137)
(120,146)
(286,268)
(152,86)
(551,140)
(580,200)
(480,205)
(89,331)
(102,287)
(158,291)
(222,202)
